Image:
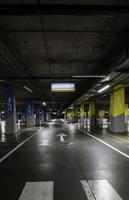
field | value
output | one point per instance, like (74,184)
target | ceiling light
(63,87)
(92,95)
(28,89)
(106,78)
(44,103)
(104,88)
(89,76)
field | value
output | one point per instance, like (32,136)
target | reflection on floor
(103,128)
(3,126)
(3,136)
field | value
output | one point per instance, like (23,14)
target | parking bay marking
(99,190)
(37,191)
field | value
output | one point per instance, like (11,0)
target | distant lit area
(63,87)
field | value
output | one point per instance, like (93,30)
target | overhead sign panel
(63,87)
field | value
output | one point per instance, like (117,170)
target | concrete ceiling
(56,47)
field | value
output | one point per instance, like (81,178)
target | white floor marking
(99,190)
(37,191)
(61,135)
(87,190)
(13,150)
(117,150)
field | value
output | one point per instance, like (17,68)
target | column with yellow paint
(69,116)
(82,113)
(101,114)
(92,112)
(117,109)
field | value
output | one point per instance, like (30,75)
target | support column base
(117,124)
(93,121)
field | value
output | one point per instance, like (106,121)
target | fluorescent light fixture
(63,87)
(106,79)
(28,89)
(89,76)
(44,103)
(104,88)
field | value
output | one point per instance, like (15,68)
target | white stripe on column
(101,190)
(87,190)
(37,191)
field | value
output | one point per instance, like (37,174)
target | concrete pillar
(75,115)
(69,116)
(82,113)
(42,116)
(117,109)
(29,113)
(126,114)
(10,110)
(92,113)
(37,111)
(47,116)
(101,114)
(65,116)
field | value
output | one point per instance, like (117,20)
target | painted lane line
(87,190)
(103,190)
(61,135)
(99,190)
(117,150)
(17,147)
(37,191)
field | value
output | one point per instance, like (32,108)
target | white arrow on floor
(61,135)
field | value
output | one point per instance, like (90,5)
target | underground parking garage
(64,100)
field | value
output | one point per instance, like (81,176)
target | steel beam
(60,9)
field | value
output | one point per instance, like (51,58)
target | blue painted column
(29,113)
(10,109)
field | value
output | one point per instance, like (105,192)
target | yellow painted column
(69,116)
(117,109)
(92,112)
(72,115)
(82,113)
(101,114)
(76,115)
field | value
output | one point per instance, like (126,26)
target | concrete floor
(45,157)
